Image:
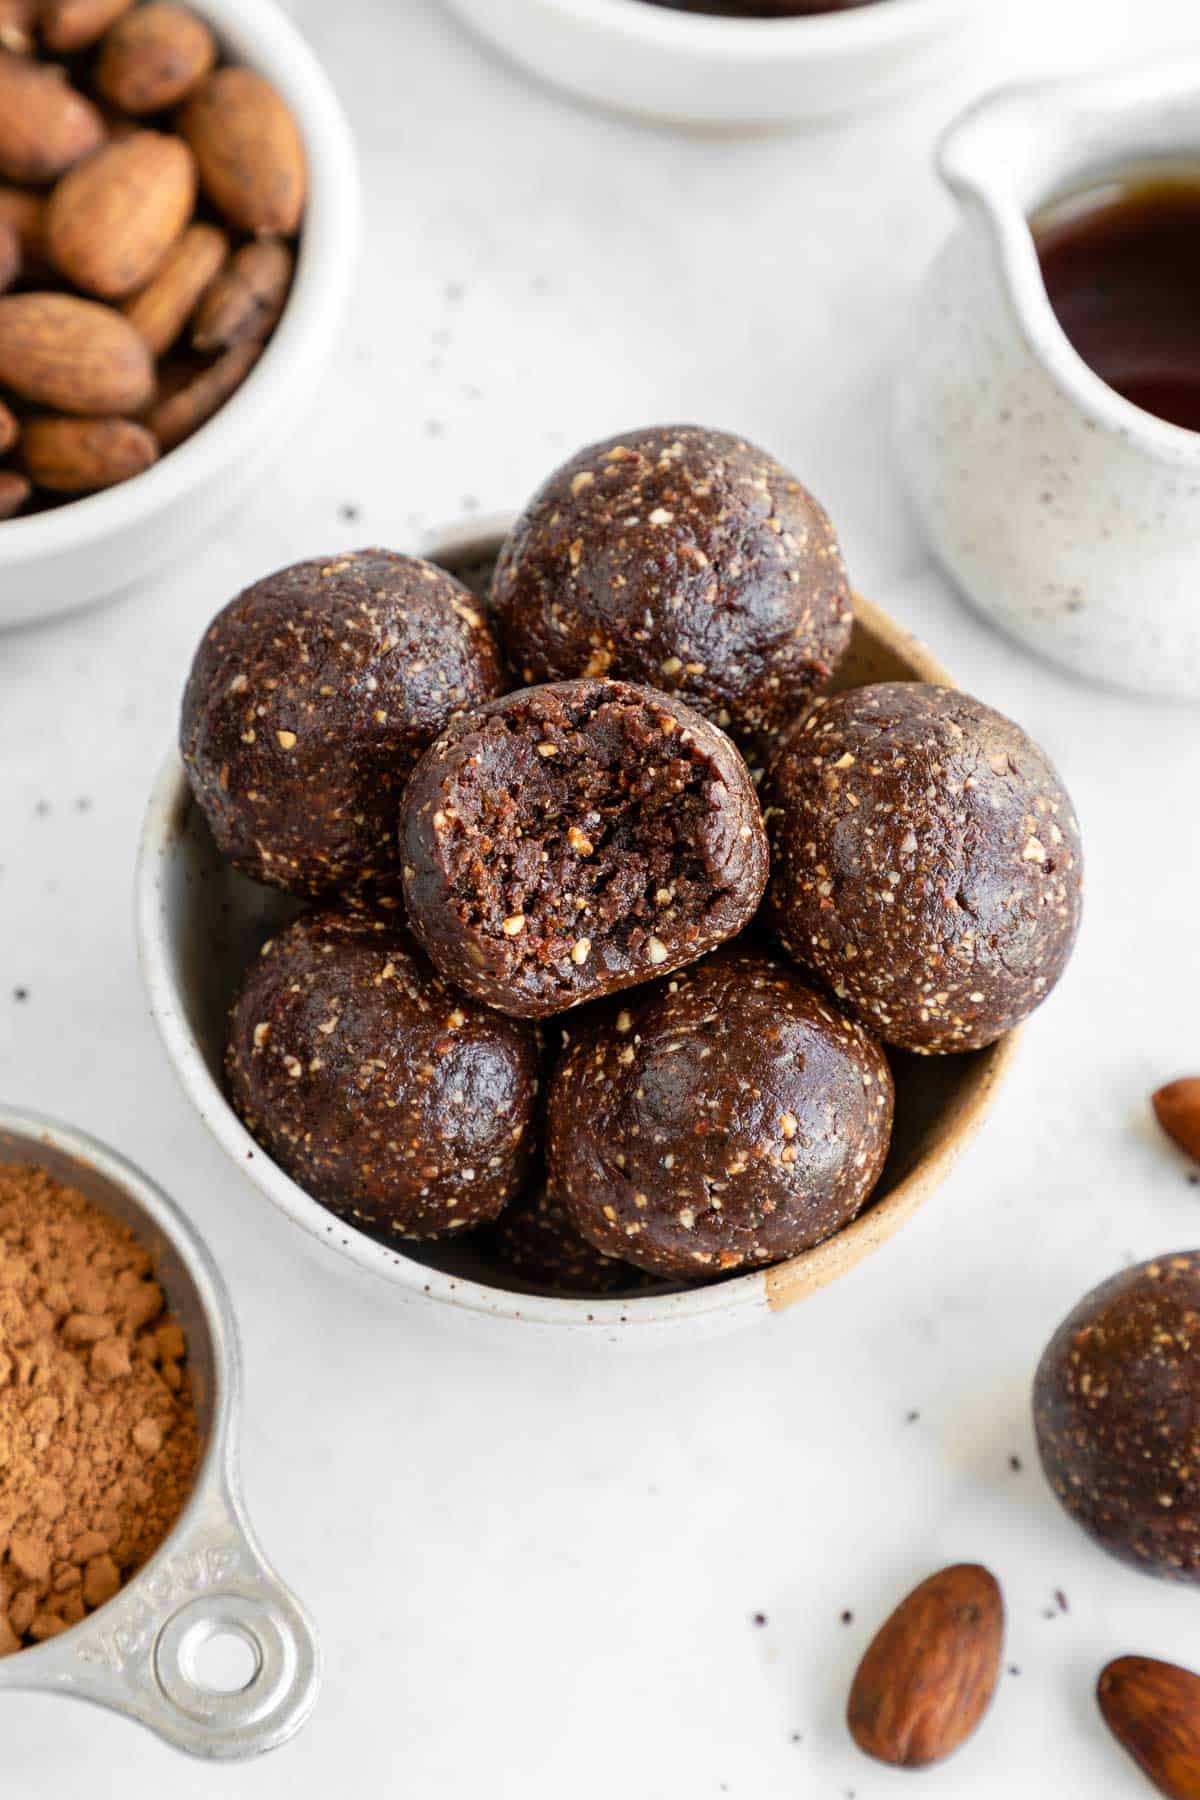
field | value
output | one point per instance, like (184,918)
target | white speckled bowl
(1066,514)
(199,923)
(92,548)
(692,69)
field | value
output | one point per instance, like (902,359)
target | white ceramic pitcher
(1065,513)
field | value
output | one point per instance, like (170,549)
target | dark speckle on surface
(20,993)
(847,1617)
(84,803)
(349,512)
(912,1417)
(42,809)
(1015,1464)
(758,1618)
(1061,1600)
(1013,1669)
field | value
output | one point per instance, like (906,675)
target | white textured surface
(535,1569)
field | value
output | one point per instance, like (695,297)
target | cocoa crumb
(1015,1464)
(98,1433)
(847,1617)
(1061,1600)
(758,1618)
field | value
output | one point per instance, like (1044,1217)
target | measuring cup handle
(137,1654)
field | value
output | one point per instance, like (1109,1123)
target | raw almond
(73,355)
(18,25)
(74,24)
(1153,1711)
(78,456)
(25,211)
(153,57)
(164,306)
(111,221)
(246,299)
(10,430)
(10,256)
(45,126)
(15,490)
(928,1678)
(191,405)
(249,150)
(1177,1109)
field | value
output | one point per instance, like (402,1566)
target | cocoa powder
(98,1432)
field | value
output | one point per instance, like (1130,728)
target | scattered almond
(45,126)
(176,417)
(249,150)
(112,220)
(1177,1109)
(247,298)
(15,490)
(78,456)
(71,354)
(164,306)
(154,57)
(1153,1711)
(25,212)
(10,429)
(74,24)
(928,1678)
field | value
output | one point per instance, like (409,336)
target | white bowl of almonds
(179,220)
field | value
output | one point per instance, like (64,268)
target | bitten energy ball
(925,862)
(1116,1405)
(570,840)
(398,1103)
(720,1120)
(682,558)
(311,697)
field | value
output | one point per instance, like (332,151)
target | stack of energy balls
(505,812)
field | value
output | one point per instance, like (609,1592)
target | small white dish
(1066,514)
(696,69)
(199,923)
(90,549)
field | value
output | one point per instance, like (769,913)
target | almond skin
(247,298)
(18,25)
(249,150)
(10,429)
(1177,1109)
(10,256)
(111,221)
(1153,1711)
(74,24)
(78,456)
(45,126)
(163,307)
(191,405)
(928,1678)
(154,57)
(73,355)
(15,490)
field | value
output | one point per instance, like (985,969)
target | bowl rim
(770,1289)
(263,36)
(879,24)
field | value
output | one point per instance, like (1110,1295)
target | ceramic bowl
(695,69)
(90,549)
(199,923)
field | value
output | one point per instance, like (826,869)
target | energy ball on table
(925,862)
(535,1238)
(398,1103)
(685,559)
(720,1120)
(570,840)
(311,697)
(1116,1404)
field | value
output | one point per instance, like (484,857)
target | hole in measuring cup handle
(259,1625)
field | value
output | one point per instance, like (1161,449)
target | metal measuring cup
(137,1653)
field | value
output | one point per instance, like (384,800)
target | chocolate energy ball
(397,1102)
(925,862)
(1116,1404)
(570,840)
(722,1119)
(682,558)
(311,697)
(535,1238)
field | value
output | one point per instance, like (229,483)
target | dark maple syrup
(1121,263)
